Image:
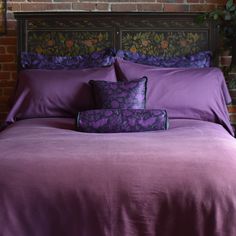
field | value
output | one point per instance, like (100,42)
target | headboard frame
(77,33)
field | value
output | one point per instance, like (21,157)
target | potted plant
(225,19)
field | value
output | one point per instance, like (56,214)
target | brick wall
(8,42)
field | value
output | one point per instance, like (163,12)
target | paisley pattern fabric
(198,60)
(121,120)
(122,95)
(39,61)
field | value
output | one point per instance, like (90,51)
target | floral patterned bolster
(96,59)
(122,95)
(121,120)
(197,60)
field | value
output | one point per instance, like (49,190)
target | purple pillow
(122,95)
(56,93)
(192,93)
(198,60)
(121,120)
(96,59)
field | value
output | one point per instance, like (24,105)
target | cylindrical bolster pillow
(121,120)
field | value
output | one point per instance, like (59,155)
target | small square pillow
(121,120)
(122,95)
(56,93)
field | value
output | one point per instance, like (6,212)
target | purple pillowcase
(56,93)
(198,60)
(121,120)
(192,93)
(96,59)
(122,95)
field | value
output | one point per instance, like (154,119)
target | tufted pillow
(101,58)
(123,95)
(197,60)
(121,120)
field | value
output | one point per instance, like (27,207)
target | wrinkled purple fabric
(56,93)
(198,60)
(123,95)
(101,58)
(194,93)
(121,120)
(57,181)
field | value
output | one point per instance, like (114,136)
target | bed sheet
(57,181)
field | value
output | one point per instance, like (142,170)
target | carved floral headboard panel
(77,33)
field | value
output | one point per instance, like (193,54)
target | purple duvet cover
(55,181)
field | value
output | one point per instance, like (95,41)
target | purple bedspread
(55,181)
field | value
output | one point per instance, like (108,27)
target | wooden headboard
(78,33)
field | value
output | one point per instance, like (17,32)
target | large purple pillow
(56,93)
(197,60)
(121,120)
(123,95)
(192,93)
(96,59)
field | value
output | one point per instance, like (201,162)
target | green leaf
(233,8)
(216,16)
(227,16)
(229,4)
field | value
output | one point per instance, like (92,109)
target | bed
(56,180)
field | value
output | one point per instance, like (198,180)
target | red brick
(8,40)
(4,75)
(11,49)
(233,119)
(40,1)
(16,0)
(172,1)
(195,1)
(14,76)
(9,67)
(176,8)
(146,1)
(90,6)
(11,33)
(2,50)
(202,7)
(13,6)
(11,24)
(3,106)
(45,6)
(102,6)
(7,83)
(84,6)
(4,98)
(220,2)
(72,0)
(6,58)
(8,91)
(2,116)
(123,7)
(232,108)
(149,7)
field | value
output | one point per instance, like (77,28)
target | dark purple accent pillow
(185,93)
(122,95)
(96,59)
(198,60)
(121,120)
(56,93)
